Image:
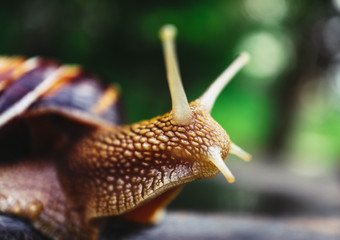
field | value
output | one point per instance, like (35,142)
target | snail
(68,161)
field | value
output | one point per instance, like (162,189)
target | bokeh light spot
(270,54)
(336,4)
(266,11)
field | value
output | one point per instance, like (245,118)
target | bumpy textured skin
(131,164)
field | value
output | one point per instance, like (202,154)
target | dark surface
(16,229)
(190,226)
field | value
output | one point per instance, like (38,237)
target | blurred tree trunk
(311,60)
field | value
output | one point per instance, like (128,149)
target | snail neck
(118,169)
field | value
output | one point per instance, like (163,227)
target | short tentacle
(236,150)
(216,159)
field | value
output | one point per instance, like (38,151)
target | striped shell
(72,91)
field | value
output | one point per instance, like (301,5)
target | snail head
(208,143)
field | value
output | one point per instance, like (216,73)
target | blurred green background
(283,107)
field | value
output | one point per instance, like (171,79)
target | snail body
(84,164)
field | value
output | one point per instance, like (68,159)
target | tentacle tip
(247,158)
(245,56)
(227,174)
(231,179)
(168,32)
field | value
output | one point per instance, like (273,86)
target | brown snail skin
(100,169)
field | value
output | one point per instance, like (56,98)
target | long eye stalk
(209,96)
(180,105)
